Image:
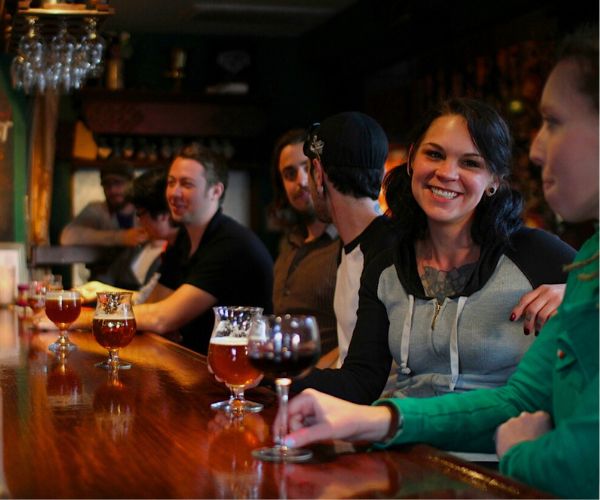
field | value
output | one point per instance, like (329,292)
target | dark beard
(113,208)
(320,209)
(308,217)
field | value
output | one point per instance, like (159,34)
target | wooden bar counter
(69,430)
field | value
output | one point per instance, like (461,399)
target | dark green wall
(19,135)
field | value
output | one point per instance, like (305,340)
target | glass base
(236,406)
(60,346)
(282,454)
(108,365)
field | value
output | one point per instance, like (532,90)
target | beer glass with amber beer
(113,326)
(62,308)
(228,356)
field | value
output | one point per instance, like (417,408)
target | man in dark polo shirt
(214,261)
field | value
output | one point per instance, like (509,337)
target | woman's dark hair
(497,216)
(280,209)
(582,48)
(148,192)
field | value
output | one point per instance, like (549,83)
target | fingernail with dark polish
(537,332)
(526,331)
(513,316)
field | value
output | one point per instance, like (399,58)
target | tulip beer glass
(62,308)
(113,326)
(228,356)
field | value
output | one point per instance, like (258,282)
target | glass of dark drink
(36,300)
(62,308)
(113,326)
(284,347)
(228,356)
(53,281)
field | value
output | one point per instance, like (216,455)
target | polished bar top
(70,430)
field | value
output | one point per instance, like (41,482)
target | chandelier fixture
(56,49)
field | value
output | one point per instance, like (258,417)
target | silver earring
(408,171)
(491,191)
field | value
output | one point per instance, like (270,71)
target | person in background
(136,266)
(543,424)
(347,153)
(305,268)
(152,211)
(109,223)
(214,260)
(445,302)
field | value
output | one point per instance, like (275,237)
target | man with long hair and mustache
(306,265)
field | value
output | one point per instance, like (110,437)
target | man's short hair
(215,167)
(352,148)
(214,164)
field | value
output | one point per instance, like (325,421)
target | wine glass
(27,70)
(62,308)
(284,347)
(60,58)
(36,300)
(93,45)
(113,326)
(228,356)
(53,281)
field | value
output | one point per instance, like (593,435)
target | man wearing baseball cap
(347,153)
(108,223)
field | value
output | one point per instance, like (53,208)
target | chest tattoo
(442,284)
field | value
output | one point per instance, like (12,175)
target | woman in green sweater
(543,423)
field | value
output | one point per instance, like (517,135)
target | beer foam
(229,340)
(115,317)
(64,294)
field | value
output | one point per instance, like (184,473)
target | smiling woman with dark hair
(446,303)
(497,215)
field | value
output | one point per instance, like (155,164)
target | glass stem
(113,358)
(283,388)
(63,338)
(236,401)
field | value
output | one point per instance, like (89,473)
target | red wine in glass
(286,364)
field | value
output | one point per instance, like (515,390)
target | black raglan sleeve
(367,365)
(540,255)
